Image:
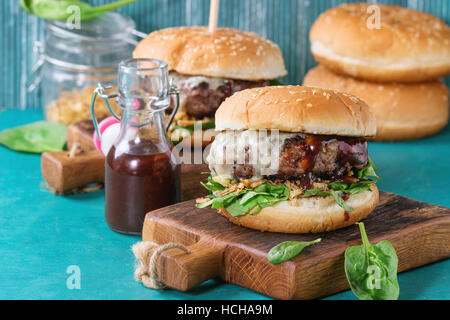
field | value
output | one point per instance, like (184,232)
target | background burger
(208,67)
(323,179)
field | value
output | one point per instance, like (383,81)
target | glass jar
(73,61)
(141,172)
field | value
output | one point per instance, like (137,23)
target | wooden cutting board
(420,233)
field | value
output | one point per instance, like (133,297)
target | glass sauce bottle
(141,171)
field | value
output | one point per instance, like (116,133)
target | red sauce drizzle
(346,215)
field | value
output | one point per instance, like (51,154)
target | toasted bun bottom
(315,214)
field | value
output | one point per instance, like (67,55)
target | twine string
(147,254)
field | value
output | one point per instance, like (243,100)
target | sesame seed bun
(409,46)
(296,109)
(315,214)
(227,53)
(403,111)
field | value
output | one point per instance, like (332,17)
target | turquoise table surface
(42,234)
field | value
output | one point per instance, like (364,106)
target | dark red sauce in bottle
(137,181)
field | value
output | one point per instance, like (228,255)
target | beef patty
(327,157)
(203,101)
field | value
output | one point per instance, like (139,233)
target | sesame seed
(299,100)
(309,105)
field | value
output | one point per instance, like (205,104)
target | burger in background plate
(403,111)
(292,159)
(211,67)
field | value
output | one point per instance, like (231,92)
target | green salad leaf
(249,200)
(266,195)
(212,185)
(371,270)
(178,132)
(59,9)
(337,188)
(275,82)
(287,250)
(36,137)
(368,171)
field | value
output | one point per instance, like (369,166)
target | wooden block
(420,233)
(64,174)
(81,132)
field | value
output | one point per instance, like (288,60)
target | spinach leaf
(368,171)
(338,186)
(371,270)
(315,192)
(288,250)
(275,82)
(359,186)
(337,197)
(36,137)
(335,194)
(211,124)
(267,194)
(212,185)
(247,201)
(58,9)
(178,132)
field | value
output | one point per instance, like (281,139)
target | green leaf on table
(36,137)
(61,9)
(371,270)
(287,250)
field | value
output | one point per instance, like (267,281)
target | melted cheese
(190,82)
(260,149)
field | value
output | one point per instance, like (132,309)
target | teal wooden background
(286,22)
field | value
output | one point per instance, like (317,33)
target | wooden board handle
(184,271)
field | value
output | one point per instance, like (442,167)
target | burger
(209,67)
(404,111)
(292,159)
(382,43)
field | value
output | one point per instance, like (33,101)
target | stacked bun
(391,57)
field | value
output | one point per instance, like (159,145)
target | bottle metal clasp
(100,91)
